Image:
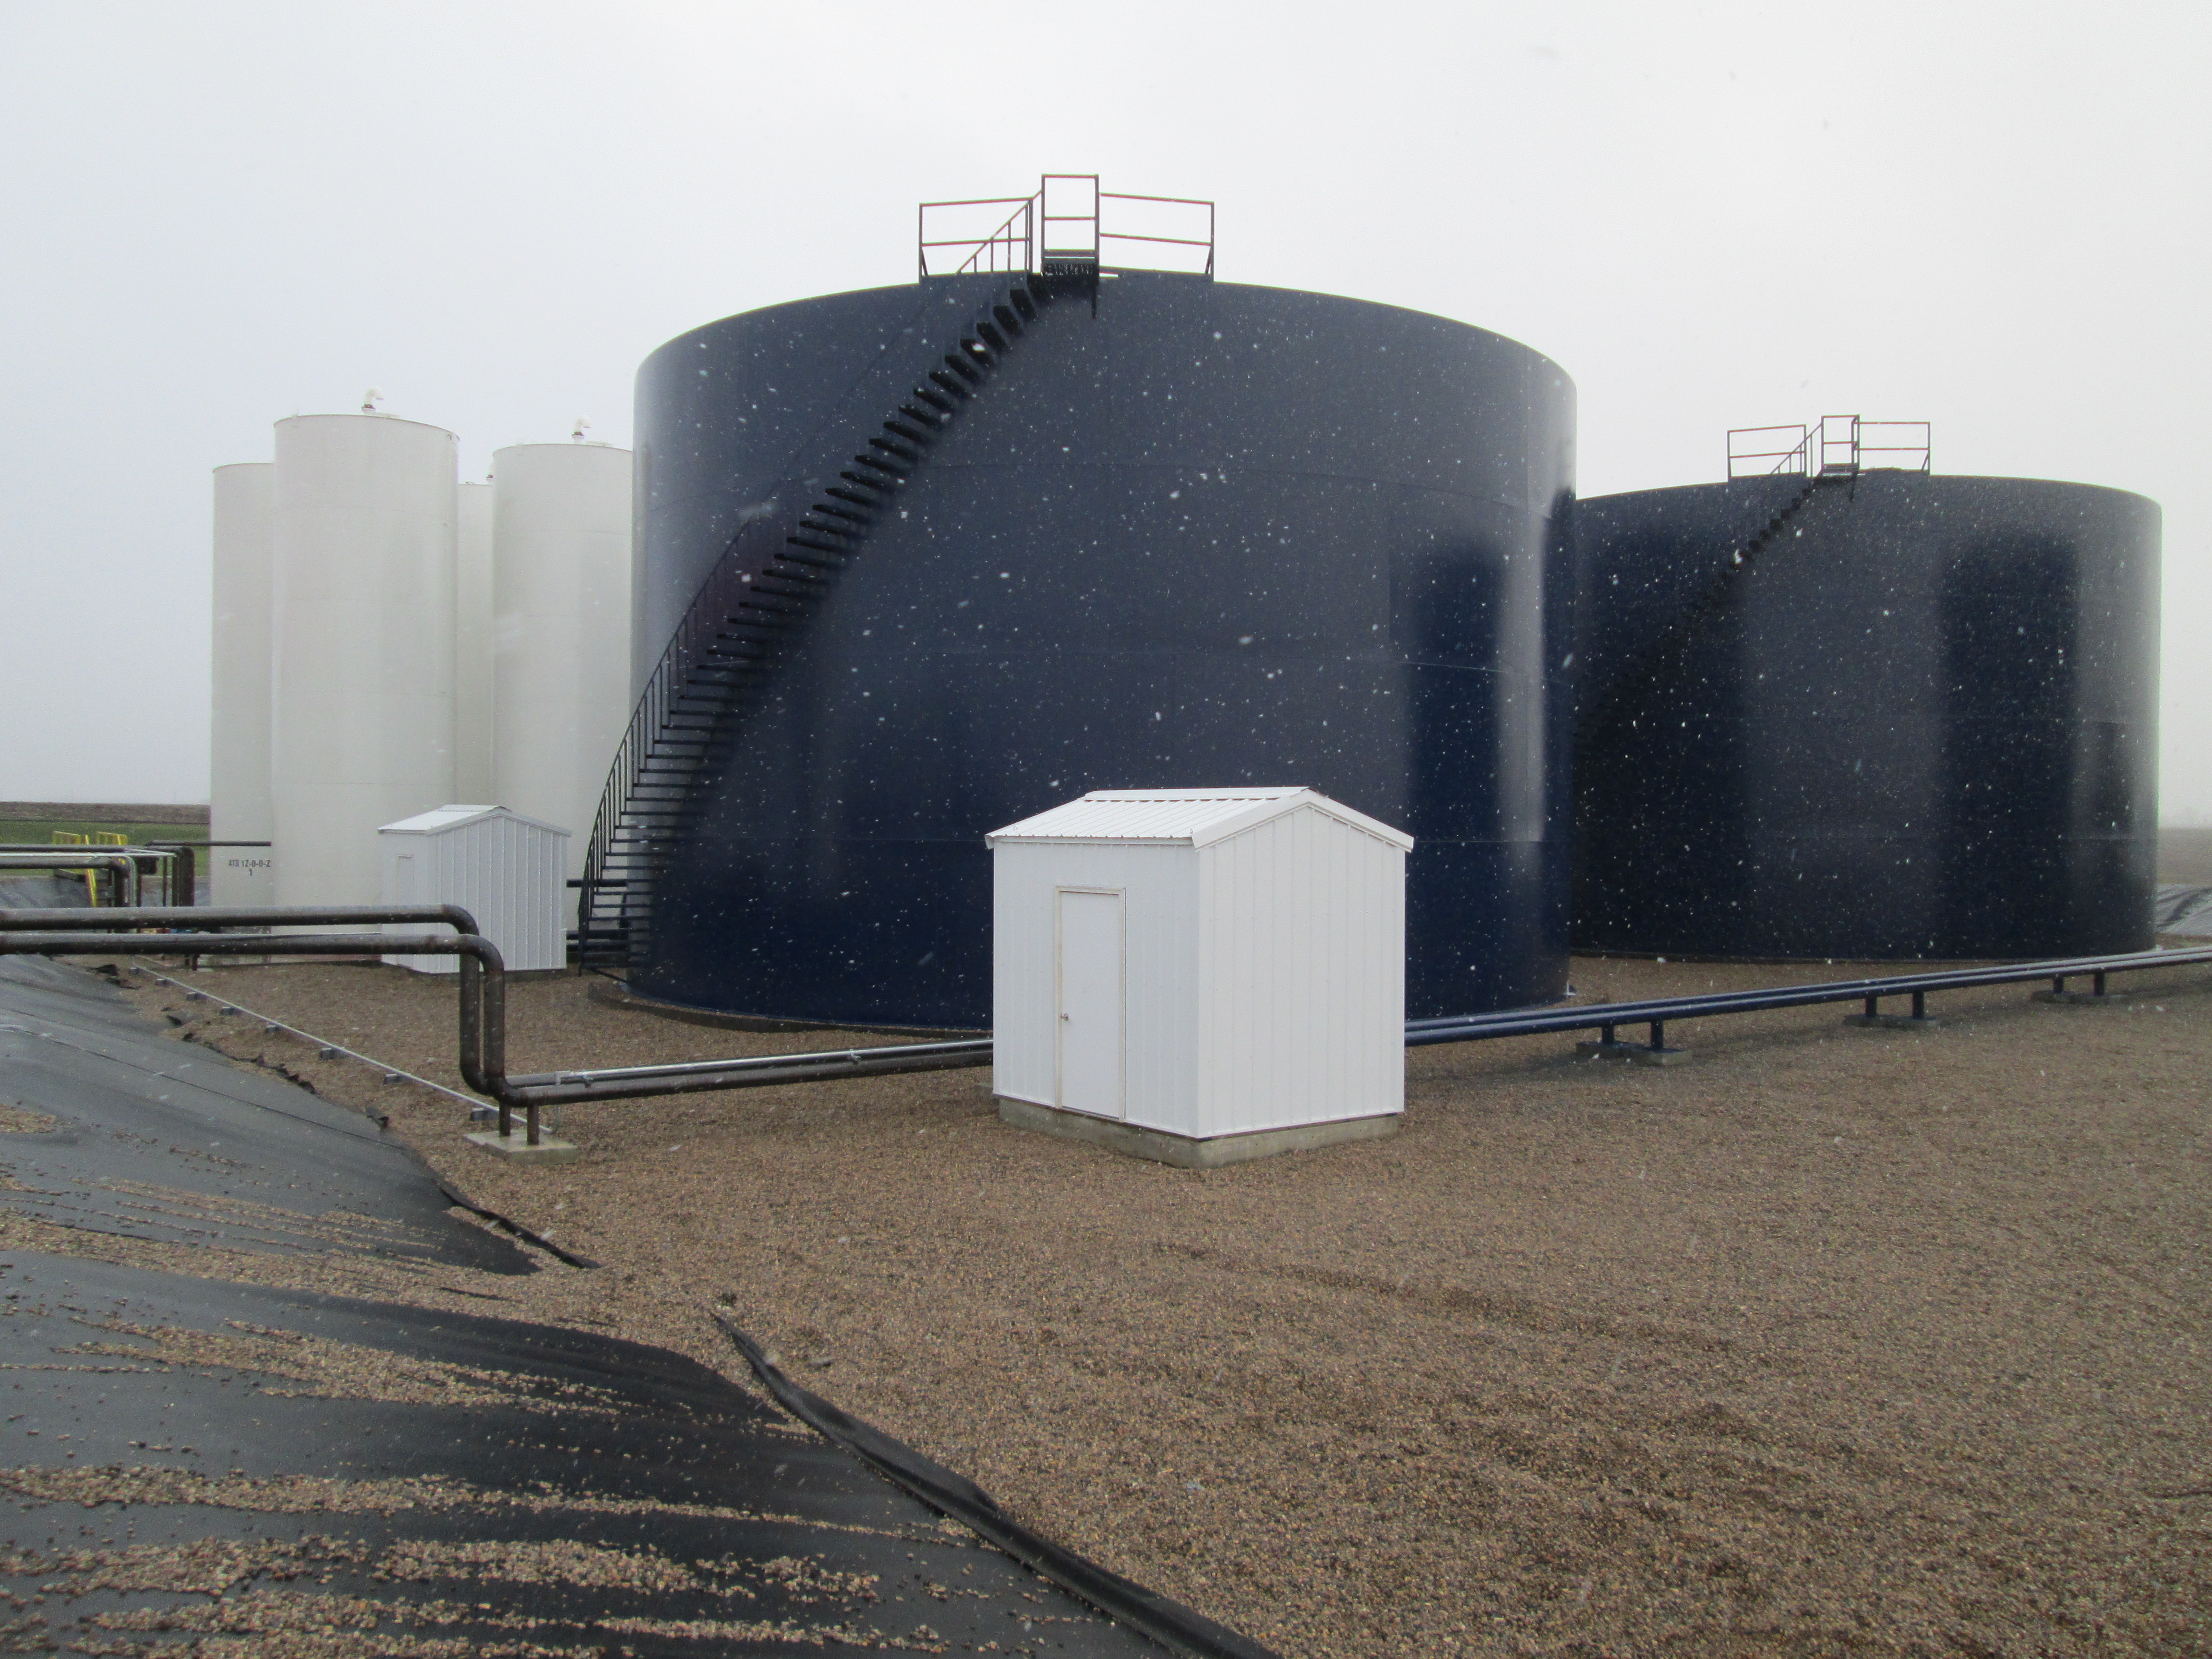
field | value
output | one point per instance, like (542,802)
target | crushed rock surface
(1828,1342)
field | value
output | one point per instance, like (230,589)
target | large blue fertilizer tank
(1198,534)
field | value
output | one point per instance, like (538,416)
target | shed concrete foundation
(1186,1152)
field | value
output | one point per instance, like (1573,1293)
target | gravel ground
(1828,1341)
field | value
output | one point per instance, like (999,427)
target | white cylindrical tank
(561,541)
(238,751)
(362,690)
(472,646)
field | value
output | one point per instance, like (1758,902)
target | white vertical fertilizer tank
(238,753)
(472,645)
(363,660)
(561,551)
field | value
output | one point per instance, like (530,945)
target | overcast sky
(217,215)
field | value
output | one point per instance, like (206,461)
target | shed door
(1089,986)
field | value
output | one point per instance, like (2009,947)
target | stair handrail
(1745,463)
(690,645)
(1004,237)
(722,596)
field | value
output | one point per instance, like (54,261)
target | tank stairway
(761,591)
(1607,707)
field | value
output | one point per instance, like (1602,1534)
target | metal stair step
(721,652)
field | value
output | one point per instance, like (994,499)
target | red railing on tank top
(1835,446)
(1070,224)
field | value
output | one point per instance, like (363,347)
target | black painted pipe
(483,1035)
(1528,1022)
(483,982)
(118,864)
(482,1021)
(256,916)
(755,1071)
(50,922)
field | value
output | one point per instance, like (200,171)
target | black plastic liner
(184,1458)
(169,1141)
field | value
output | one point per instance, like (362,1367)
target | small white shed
(508,871)
(1200,975)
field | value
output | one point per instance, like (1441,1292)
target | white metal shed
(509,871)
(1200,975)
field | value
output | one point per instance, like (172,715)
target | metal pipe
(103,848)
(483,1010)
(115,862)
(209,916)
(472,988)
(1527,1022)
(183,872)
(755,1071)
(483,1000)
(106,848)
(119,865)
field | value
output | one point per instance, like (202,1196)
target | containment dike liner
(151,1139)
(191,1457)
(188,1460)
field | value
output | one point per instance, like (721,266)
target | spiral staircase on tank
(1830,451)
(752,607)
(1609,706)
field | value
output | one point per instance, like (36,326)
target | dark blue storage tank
(1208,534)
(1896,715)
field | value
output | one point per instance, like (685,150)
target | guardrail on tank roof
(1067,226)
(1834,446)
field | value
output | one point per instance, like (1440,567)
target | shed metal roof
(1185,817)
(439,818)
